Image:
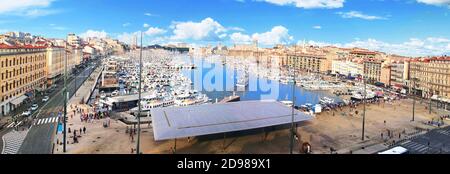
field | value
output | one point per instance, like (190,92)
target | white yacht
(287,103)
(190,98)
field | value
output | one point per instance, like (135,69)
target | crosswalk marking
(46,120)
(10,125)
(13,124)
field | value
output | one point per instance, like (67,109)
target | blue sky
(407,27)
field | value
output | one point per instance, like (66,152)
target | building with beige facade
(350,68)
(362,54)
(55,64)
(22,72)
(433,76)
(385,74)
(399,74)
(307,62)
(73,39)
(372,70)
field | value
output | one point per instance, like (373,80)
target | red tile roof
(4,46)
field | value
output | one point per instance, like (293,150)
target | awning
(29,94)
(398,86)
(18,100)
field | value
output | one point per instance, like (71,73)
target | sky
(404,27)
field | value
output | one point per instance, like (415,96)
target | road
(43,128)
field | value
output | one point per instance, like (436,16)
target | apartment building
(308,62)
(55,64)
(73,39)
(22,73)
(433,76)
(400,74)
(352,68)
(372,70)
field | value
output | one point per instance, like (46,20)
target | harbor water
(258,89)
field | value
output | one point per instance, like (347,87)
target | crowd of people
(85,116)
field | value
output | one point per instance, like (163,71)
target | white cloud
(436,2)
(206,30)
(94,33)
(153,31)
(236,29)
(38,12)
(318,27)
(411,47)
(149,14)
(146,25)
(316,43)
(29,8)
(59,28)
(128,38)
(438,39)
(357,14)
(126,24)
(309,4)
(278,35)
(414,42)
(157,40)
(240,38)
(134,38)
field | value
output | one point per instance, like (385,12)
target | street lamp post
(431,95)
(75,89)
(364,102)
(291,145)
(414,98)
(139,101)
(65,95)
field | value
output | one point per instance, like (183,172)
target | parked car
(26,113)
(45,99)
(34,107)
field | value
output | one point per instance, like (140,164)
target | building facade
(432,76)
(308,62)
(55,64)
(73,39)
(372,71)
(22,72)
(400,74)
(347,68)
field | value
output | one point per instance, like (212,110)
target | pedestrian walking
(84,130)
